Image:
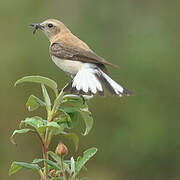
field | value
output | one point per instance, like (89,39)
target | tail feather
(86,80)
(106,84)
(92,81)
(113,87)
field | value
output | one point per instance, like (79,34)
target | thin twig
(70,176)
(62,167)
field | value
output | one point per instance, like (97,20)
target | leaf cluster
(62,116)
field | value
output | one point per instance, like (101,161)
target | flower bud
(61,149)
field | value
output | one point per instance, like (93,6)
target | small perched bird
(87,69)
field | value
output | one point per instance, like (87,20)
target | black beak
(36,27)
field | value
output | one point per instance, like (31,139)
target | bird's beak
(36,26)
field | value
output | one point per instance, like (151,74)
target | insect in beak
(36,26)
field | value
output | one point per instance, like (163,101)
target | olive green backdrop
(138,137)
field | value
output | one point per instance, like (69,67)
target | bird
(87,70)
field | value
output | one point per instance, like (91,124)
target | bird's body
(69,66)
(73,56)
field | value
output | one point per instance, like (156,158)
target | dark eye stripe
(50,25)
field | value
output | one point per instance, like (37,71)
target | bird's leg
(81,96)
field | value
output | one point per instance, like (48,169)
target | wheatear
(69,53)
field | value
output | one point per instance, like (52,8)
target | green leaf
(46,98)
(73,114)
(66,167)
(55,127)
(49,162)
(39,79)
(53,164)
(75,101)
(59,100)
(84,179)
(54,156)
(82,160)
(33,103)
(35,122)
(36,161)
(63,117)
(16,166)
(72,96)
(88,119)
(57,178)
(18,131)
(73,137)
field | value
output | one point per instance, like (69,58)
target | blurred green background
(138,137)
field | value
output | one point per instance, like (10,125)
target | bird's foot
(81,96)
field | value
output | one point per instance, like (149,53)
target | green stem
(46,144)
(62,167)
(46,135)
(47,141)
(41,174)
(45,156)
(71,176)
(49,138)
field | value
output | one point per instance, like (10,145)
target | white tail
(86,80)
(93,80)
(111,85)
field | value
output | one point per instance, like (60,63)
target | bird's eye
(50,25)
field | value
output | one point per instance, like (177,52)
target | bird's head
(51,28)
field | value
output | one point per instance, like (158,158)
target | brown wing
(64,51)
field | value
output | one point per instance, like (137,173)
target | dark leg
(81,96)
